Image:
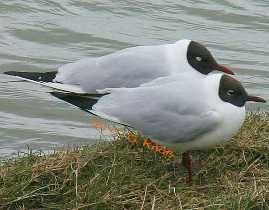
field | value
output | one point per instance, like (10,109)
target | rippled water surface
(41,35)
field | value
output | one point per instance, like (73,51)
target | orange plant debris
(98,124)
(133,138)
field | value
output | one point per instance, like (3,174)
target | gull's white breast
(231,120)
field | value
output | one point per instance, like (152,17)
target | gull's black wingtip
(59,95)
(12,73)
(83,102)
(35,76)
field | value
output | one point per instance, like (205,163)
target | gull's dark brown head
(200,58)
(233,92)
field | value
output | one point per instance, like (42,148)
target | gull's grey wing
(180,128)
(130,67)
(157,124)
(160,120)
(171,112)
(176,112)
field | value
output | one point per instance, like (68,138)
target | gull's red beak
(256,99)
(224,69)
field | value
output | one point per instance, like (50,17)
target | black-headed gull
(130,67)
(177,111)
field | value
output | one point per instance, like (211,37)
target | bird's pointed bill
(224,69)
(256,99)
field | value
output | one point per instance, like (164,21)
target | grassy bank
(121,176)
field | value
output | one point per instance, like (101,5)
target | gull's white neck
(177,58)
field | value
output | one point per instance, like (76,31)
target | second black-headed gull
(177,111)
(130,67)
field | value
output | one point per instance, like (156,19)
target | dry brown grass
(118,175)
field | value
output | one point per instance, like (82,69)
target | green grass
(117,176)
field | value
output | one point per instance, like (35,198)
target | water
(41,35)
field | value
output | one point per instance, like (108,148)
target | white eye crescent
(230,92)
(198,58)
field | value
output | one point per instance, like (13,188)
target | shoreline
(119,175)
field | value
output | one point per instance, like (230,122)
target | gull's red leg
(187,163)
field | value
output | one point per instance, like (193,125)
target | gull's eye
(198,58)
(230,92)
